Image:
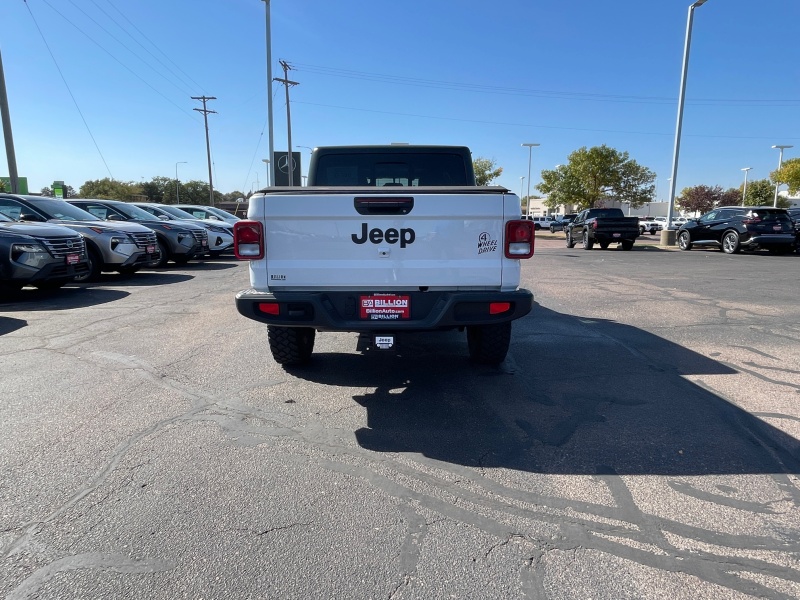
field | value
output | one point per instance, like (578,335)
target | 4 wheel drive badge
(486,243)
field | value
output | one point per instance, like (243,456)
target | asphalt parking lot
(640,441)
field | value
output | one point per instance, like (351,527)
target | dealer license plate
(385,307)
(617,234)
(151,249)
(72,259)
(204,243)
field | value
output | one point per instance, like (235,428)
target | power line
(563,95)
(71,95)
(205,112)
(142,79)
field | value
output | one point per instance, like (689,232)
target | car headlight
(121,239)
(31,255)
(217,229)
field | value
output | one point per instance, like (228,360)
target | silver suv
(121,247)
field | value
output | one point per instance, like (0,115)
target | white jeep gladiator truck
(385,240)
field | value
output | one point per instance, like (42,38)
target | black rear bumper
(340,311)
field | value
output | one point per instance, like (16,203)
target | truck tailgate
(444,240)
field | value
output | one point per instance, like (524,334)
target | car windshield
(177,212)
(62,210)
(133,212)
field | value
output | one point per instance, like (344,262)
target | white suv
(540,222)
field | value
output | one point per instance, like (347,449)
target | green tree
(789,173)
(594,176)
(700,198)
(110,189)
(485,170)
(761,192)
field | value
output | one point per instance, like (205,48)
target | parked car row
(47,242)
(735,228)
(729,228)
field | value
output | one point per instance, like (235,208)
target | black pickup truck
(603,226)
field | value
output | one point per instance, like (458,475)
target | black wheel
(604,245)
(290,345)
(95,264)
(488,344)
(570,241)
(552,229)
(587,243)
(536,227)
(50,285)
(730,242)
(684,241)
(642,230)
(163,256)
(627,244)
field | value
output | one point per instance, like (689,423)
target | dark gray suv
(41,255)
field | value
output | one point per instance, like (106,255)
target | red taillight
(270,308)
(248,240)
(751,221)
(520,238)
(498,308)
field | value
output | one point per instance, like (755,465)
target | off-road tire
(684,241)
(95,267)
(730,242)
(488,344)
(587,243)
(627,244)
(291,345)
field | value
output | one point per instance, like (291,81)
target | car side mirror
(32,217)
(163,217)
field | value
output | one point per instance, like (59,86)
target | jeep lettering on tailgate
(405,236)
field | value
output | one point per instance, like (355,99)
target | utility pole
(205,112)
(285,81)
(6,119)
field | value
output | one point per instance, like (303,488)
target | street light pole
(521,185)
(266,162)
(780,164)
(530,151)
(744,190)
(666,238)
(177,183)
(271,160)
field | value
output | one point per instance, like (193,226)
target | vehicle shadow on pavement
(579,396)
(139,278)
(9,325)
(66,298)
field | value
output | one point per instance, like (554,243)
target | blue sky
(109,94)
